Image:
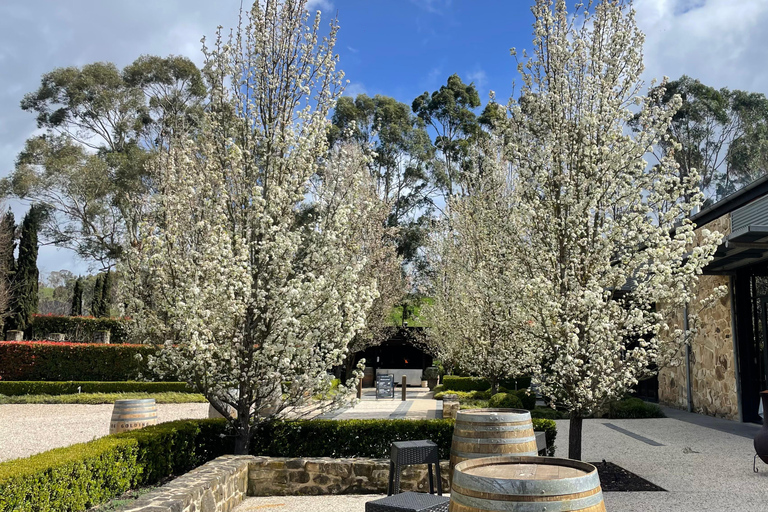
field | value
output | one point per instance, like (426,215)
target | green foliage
(166,397)
(431,372)
(464,395)
(79,329)
(77,298)
(15,388)
(548,413)
(411,309)
(359,438)
(527,399)
(633,408)
(25,283)
(549,427)
(83,475)
(62,361)
(453,383)
(505,401)
(101,126)
(102,295)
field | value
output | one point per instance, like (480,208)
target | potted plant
(431,374)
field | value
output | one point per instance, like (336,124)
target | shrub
(548,413)
(64,361)
(527,399)
(78,329)
(16,388)
(453,383)
(549,427)
(166,397)
(359,438)
(633,408)
(505,401)
(465,395)
(430,373)
(83,475)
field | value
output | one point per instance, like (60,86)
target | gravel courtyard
(29,429)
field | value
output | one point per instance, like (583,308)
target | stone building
(724,370)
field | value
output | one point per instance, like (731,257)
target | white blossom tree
(248,267)
(603,238)
(477,317)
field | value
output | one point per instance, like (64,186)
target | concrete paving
(418,405)
(705,464)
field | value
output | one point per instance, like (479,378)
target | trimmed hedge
(83,475)
(454,383)
(64,361)
(17,388)
(78,329)
(360,438)
(505,401)
(633,408)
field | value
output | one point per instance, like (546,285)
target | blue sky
(398,48)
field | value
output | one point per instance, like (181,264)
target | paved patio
(704,463)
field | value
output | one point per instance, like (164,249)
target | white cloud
(354,88)
(720,42)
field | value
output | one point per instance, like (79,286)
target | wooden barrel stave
(487,432)
(133,414)
(508,484)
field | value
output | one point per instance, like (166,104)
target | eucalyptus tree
(101,126)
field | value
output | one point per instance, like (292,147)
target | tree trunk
(243,439)
(494,386)
(574,436)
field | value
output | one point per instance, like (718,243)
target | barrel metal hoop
(494,427)
(494,440)
(468,455)
(537,497)
(528,506)
(493,415)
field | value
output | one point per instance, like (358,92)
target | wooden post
(404,383)
(359,389)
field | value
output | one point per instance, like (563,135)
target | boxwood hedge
(18,388)
(81,476)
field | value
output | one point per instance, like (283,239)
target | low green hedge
(78,329)
(633,408)
(360,438)
(454,383)
(64,361)
(465,395)
(16,388)
(83,475)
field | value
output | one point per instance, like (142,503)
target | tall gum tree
(248,269)
(603,238)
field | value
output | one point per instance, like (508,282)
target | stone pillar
(101,337)
(57,336)
(14,336)
(451,406)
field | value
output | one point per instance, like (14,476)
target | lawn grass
(103,398)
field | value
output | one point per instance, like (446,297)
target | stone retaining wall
(217,486)
(277,476)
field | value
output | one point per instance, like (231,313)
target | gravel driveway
(33,428)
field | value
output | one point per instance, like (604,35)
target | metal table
(405,453)
(409,501)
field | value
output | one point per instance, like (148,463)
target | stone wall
(713,378)
(275,476)
(217,486)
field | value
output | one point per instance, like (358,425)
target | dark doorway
(751,308)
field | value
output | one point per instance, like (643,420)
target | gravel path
(33,428)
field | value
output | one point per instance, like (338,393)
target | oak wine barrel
(492,432)
(525,484)
(133,414)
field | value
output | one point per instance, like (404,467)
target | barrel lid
(491,415)
(521,475)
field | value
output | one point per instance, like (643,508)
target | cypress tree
(98,292)
(7,263)
(106,294)
(77,298)
(25,285)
